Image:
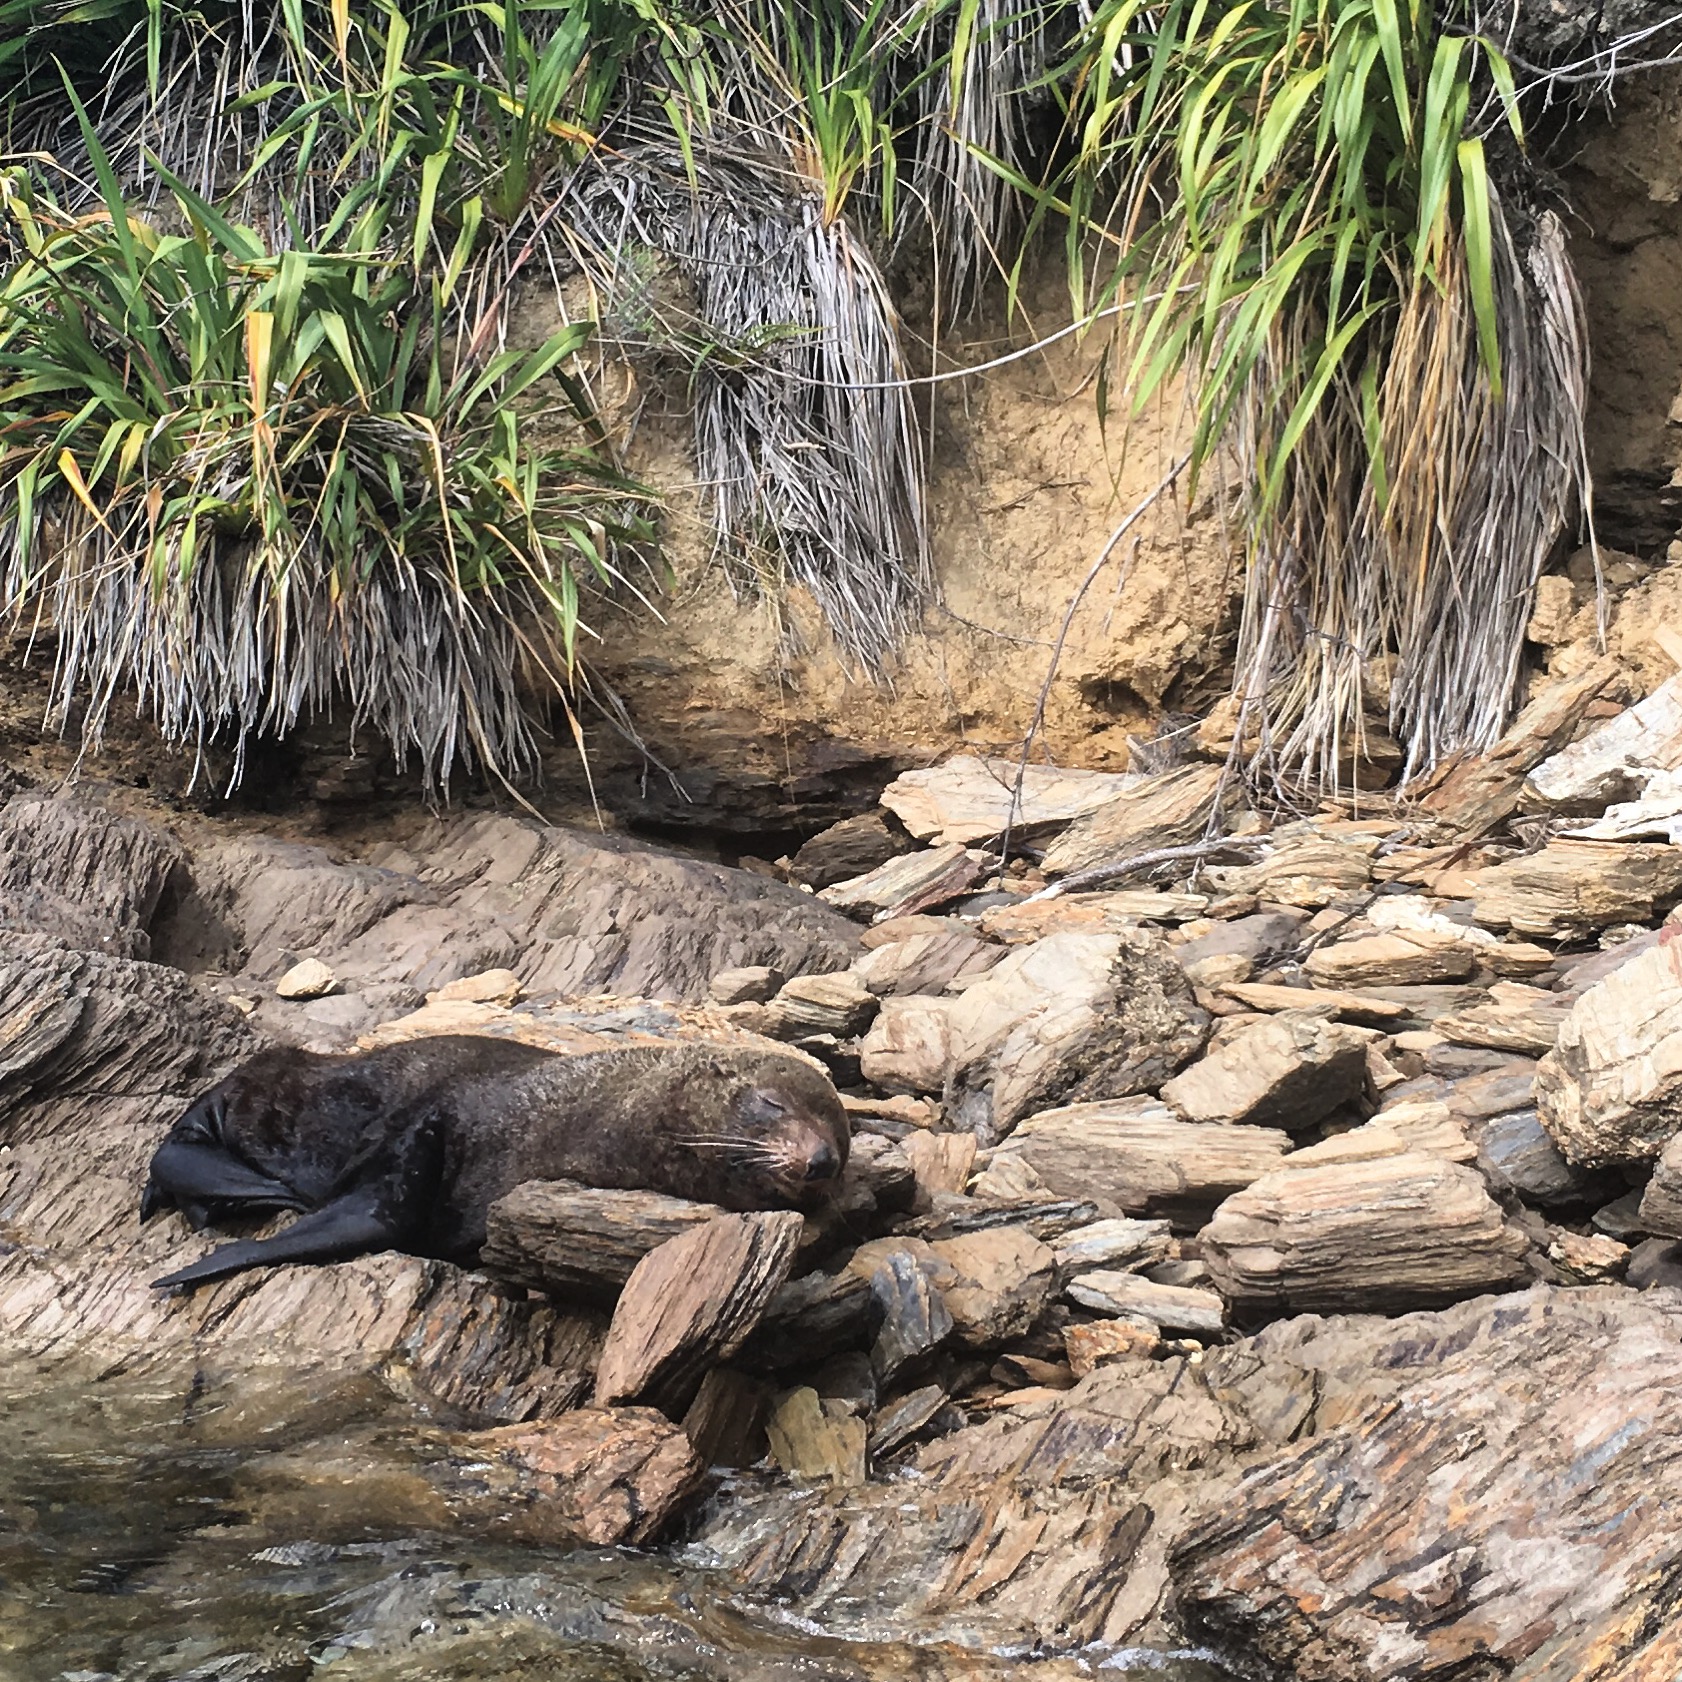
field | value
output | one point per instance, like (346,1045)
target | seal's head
(781,1127)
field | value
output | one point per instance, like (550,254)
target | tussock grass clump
(297,239)
(254,487)
(1399,364)
(1318,214)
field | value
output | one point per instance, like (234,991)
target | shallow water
(131,1551)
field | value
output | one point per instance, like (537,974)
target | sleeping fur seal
(406,1148)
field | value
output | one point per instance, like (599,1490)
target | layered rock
(1290,1072)
(1500,1493)
(1073,1017)
(1025,1290)
(1140,1157)
(1572,886)
(1611,1090)
(690,1304)
(1379,1233)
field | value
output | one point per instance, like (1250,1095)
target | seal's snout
(823,1162)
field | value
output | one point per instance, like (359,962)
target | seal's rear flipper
(349,1226)
(188,1173)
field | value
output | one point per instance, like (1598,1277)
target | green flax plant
(256,486)
(1297,200)
(492,148)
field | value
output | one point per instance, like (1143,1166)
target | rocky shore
(1272,1245)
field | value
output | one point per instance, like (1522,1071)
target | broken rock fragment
(1138,1155)
(1126,1245)
(915,1320)
(814,1439)
(1099,1343)
(1574,886)
(1290,1071)
(907,884)
(1610,1091)
(823,1004)
(310,979)
(1608,763)
(941,1162)
(853,847)
(809,1319)
(690,1305)
(1321,1001)
(1517,1155)
(575,1241)
(897,1422)
(1415,958)
(1071,1017)
(925,963)
(969,800)
(754,984)
(1513,1018)
(995,1284)
(1476,792)
(1304,870)
(1161,811)
(1379,1235)
(909,1045)
(1172,1308)
(726,1421)
(1661,1203)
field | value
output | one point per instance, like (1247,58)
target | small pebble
(311,979)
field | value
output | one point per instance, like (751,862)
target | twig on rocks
(1098,874)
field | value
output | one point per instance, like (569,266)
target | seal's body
(407,1147)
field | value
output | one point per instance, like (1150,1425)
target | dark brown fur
(408,1146)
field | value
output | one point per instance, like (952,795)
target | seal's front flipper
(349,1226)
(186,1173)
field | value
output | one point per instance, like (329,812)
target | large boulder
(606,1476)
(1610,1091)
(1071,1018)
(1378,1233)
